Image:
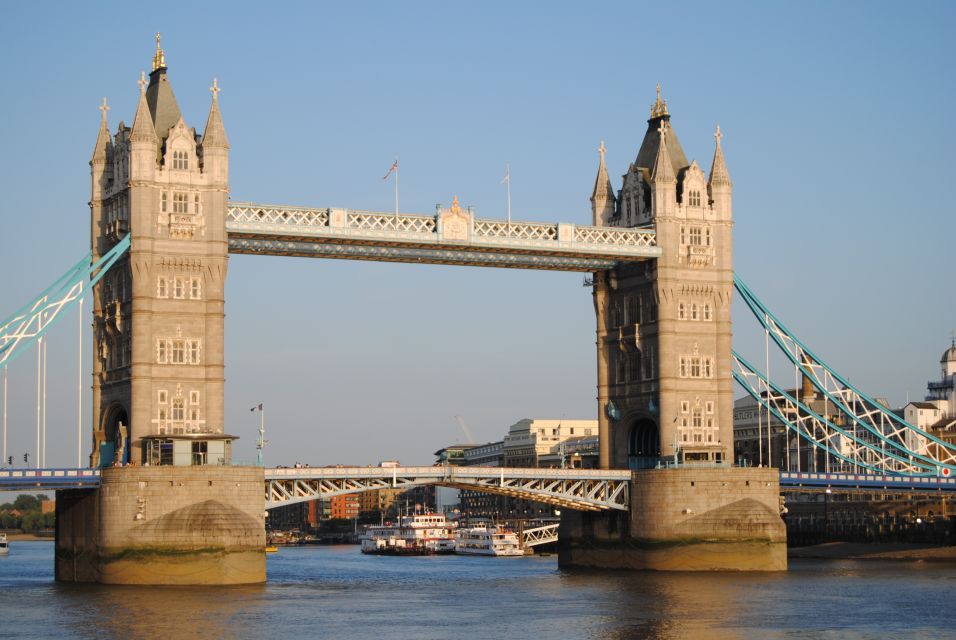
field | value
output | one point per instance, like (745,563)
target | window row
(634,367)
(696,367)
(178,202)
(177,412)
(697,436)
(162,396)
(638,308)
(693,198)
(708,407)
(180,160)
(697,236)
(178,351)
(694,311)
(179,288)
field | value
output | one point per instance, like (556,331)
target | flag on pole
(391,170)
(258,408)
(507,178)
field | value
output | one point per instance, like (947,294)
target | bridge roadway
(451,236)
(582,489)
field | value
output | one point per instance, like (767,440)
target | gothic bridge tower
(663,327)
(158,371)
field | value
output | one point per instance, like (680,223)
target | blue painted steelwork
(929,466)
(48,479)
(881,482)
(29,323)
(883,424)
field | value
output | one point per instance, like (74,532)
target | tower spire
(659,108)
(718,169)
(159,58)
(103,136)
(602,198)
(143,130)
(663,171)
(215,133)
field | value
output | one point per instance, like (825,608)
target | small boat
(272,548)
(4,545)
(415,535)
(487,540)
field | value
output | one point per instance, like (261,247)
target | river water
(336,592)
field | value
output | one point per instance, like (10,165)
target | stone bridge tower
(663,327)
(158,371)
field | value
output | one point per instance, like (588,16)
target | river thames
(336,592)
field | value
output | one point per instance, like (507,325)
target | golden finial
(455,206)
(159,58)
(659,108)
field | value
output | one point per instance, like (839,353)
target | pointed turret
(719,186)
(663,170)
(159,95)
(143,130)
(214,148)
(649,146)
(215,133)
(102,137)
(602,198)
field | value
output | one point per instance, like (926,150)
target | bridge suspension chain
(866,415)
(28,324)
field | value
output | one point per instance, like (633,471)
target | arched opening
(115,448)
(644,445)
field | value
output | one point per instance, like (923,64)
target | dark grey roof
(162,103)
(652,140)
(924,405)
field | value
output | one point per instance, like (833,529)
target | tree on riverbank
(26,514)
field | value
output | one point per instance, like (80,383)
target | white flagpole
(508,177)
(396,190)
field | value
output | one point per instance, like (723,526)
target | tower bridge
(659,251)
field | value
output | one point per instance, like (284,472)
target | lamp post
(826,514)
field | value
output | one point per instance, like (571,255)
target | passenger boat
(4,545)
(413,535)
(271,548)
(488,540)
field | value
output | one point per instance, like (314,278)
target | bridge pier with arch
(659,251)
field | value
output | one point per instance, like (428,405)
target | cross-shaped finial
(952,337)
(104,108)
(215,89)
(662,130)
(142,82)
(602,149)
(718,135)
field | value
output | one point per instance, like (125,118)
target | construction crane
(464,427)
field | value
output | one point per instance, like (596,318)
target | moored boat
(413,535)
(487,540)
(4,545)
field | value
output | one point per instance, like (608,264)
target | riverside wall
(164,526)
(685,519)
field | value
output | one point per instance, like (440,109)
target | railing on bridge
(866,481)
(582,489)
(539,535)
(405,237)
(48,479)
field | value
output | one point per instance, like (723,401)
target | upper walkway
(451,236)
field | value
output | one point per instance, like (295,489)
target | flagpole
(396,190)
(508,172)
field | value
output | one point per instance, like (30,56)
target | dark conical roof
(162,102)
(652,142)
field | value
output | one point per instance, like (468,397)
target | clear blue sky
(838,136)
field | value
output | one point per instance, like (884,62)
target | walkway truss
(857,434)
(580,489)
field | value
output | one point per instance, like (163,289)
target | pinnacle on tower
(663,171)
(143,130)
(718,169)
(159,96)
(603,192)
(214,134)
(103,136)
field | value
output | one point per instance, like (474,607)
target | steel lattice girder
(861,409)
(539,535)
(580,489)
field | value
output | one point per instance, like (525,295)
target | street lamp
(826,513)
